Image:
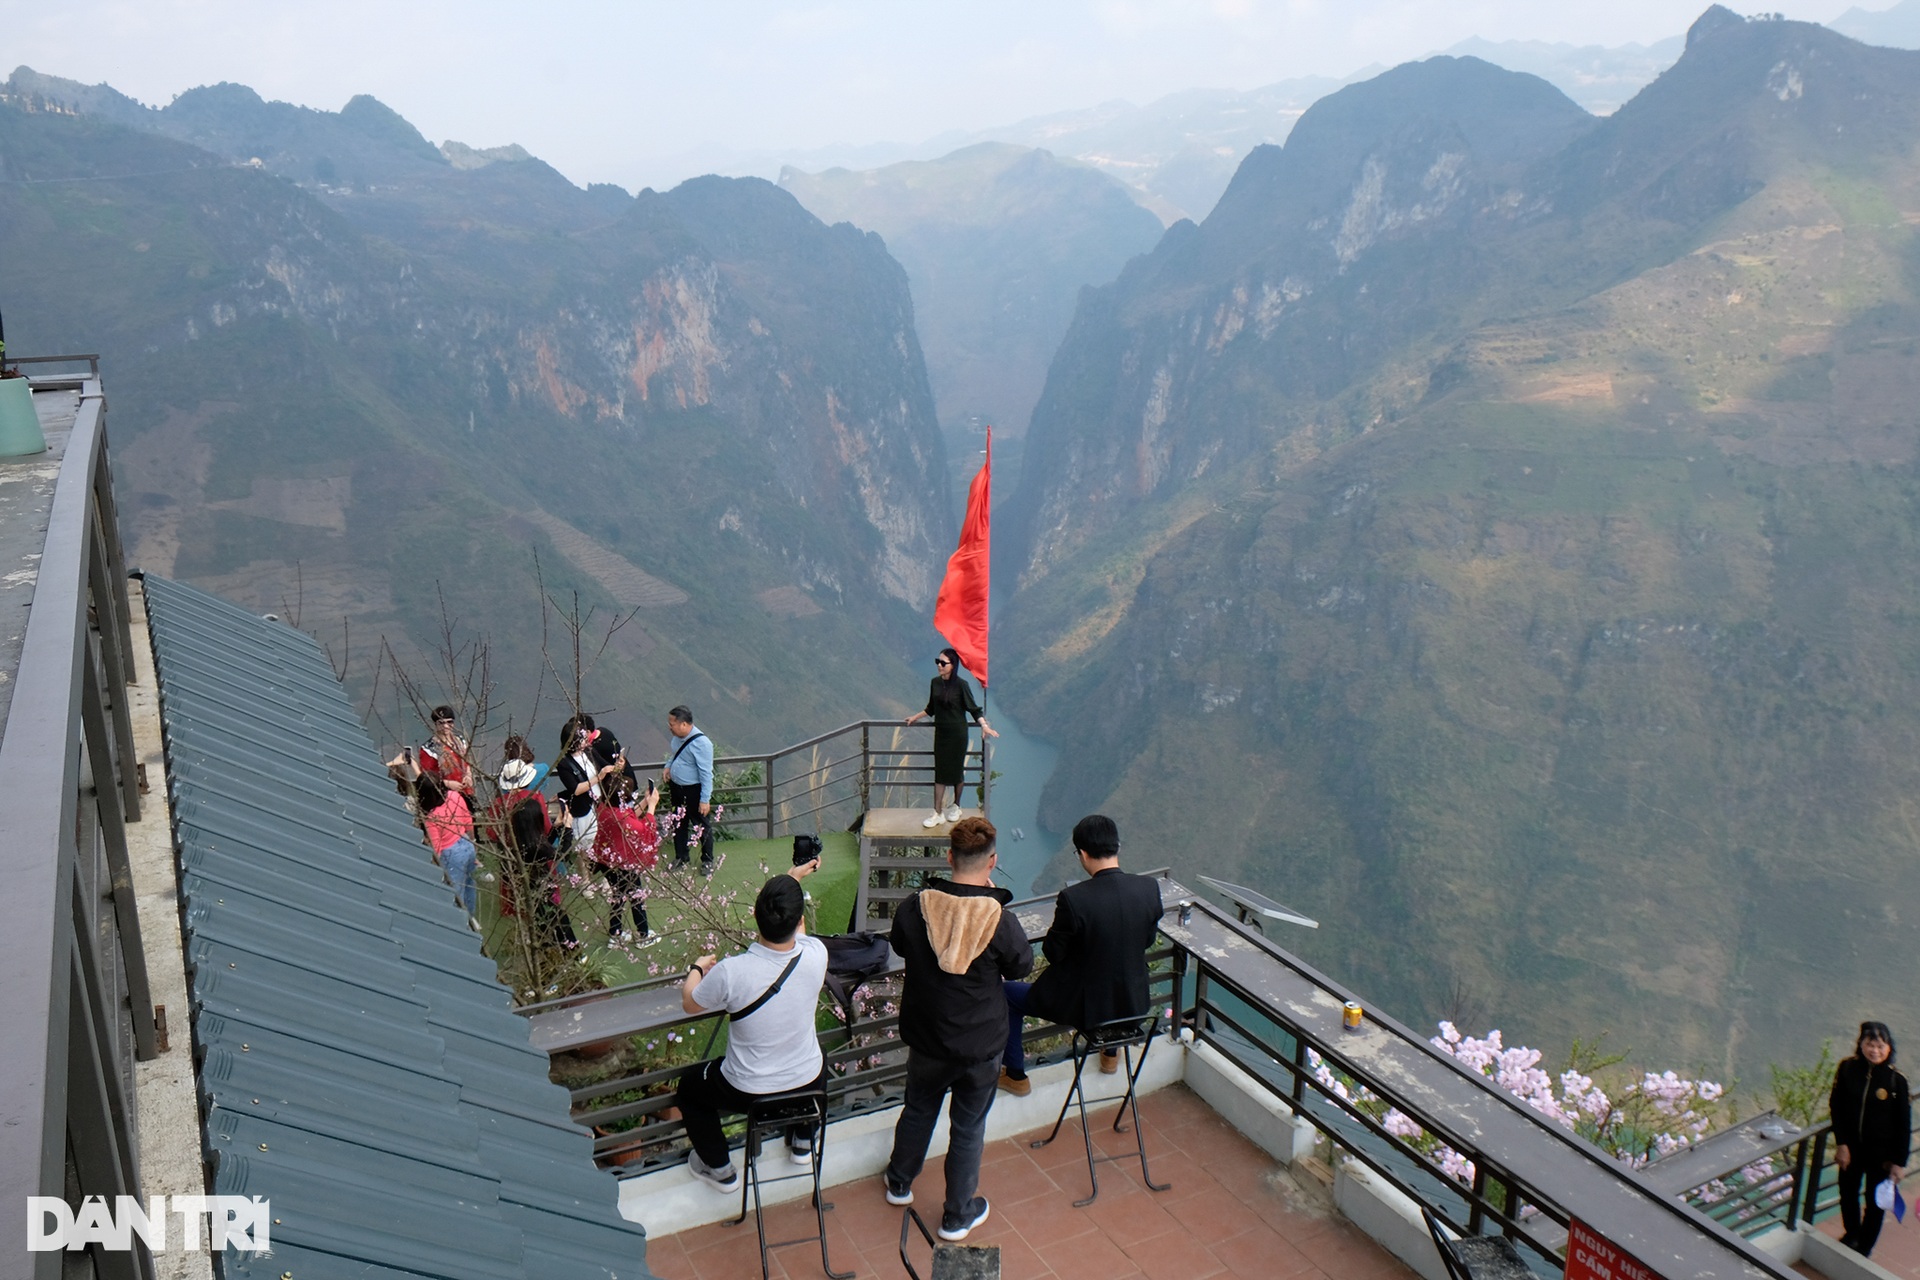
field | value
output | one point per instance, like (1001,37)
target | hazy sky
(612,91)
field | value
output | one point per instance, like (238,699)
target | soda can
(1351,1014)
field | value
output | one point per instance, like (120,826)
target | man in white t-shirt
(769,991)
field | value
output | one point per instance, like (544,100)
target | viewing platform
(1231,1212)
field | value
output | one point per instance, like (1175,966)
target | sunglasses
(940,663)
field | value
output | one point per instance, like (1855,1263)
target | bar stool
(950,1261)
(1126,1035)
(772,1114)
(1475,1257)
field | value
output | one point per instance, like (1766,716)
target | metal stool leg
(1084,1045)
(1132,1099)
(1079,1062)
(758,1123)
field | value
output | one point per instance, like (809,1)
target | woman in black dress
(949,704)
(1872,1124)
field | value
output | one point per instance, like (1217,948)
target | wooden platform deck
(904,826)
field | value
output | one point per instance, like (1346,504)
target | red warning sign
(1591,1256)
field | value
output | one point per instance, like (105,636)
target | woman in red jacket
(627,844)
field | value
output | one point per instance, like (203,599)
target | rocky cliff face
(358,389)
(997,241)
(1531,603)
(1322,260)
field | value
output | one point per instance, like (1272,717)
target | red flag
(960,612)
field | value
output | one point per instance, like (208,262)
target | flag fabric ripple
(960,611)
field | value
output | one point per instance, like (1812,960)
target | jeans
(704,1094)
(1014,1059)
(1862,1229)
(929,1079)
(457,861)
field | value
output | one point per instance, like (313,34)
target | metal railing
(825,782)
(1792,1181)
(1275,1050)
(76,1007)
(1211,990)
(866,1065)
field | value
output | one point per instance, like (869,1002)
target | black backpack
(852,958)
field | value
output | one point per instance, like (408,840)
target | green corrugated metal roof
(359,1064)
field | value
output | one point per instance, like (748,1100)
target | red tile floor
(1232,1212)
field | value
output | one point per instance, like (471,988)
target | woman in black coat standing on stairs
(1872,1129)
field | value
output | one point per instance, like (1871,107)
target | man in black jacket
(1096,951)
(960,945)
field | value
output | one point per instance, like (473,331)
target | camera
(805,849)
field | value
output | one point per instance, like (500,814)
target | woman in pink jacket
(449,825)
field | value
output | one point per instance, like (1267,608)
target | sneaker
(473,924)
(1018,1086)
(897,1195)
(644,941)
(725,1181)
(706,868)
(956,1227)
(953,813)
(800,1149)
(488,877)
(934,819)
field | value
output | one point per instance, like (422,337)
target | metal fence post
(1810,1200)
(986,773)
(1799,1174)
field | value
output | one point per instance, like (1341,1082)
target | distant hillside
(1897,27)
(1493,531)
(361,376)
(1599,78)
(997,242)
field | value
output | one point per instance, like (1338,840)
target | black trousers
(929,1080)
(1861,1228)
(686,796)
(705,1095)
(628,895)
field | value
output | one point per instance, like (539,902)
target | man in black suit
(1096,951)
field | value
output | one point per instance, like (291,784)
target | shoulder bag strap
(687,742)
(770,992)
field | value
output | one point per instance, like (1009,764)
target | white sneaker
(934,819)
(903,1195)
(953,813)
(800,1149)
(725,1181)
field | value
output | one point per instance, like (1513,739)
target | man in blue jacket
(689,777)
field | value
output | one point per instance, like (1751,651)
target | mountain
(1180,150)
(1897,27)
(997,242)
(1491,532)
(1598,77)
(365,393)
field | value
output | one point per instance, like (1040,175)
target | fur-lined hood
(961,920)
